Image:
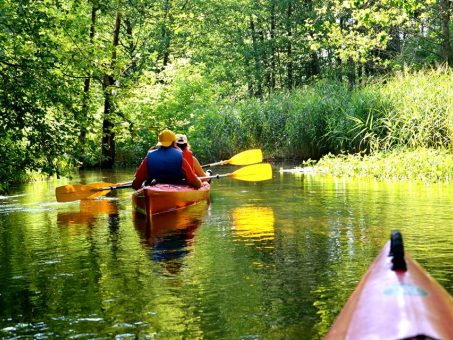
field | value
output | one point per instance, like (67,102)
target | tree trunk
(83,121)
(264,60)
(166,35)
(258,71)
(272,70)
(351,72)
(108,135)
(131,46)
(445,8)
(289,47)
(314,68)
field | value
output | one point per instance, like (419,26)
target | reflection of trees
(291,278)
(62,267)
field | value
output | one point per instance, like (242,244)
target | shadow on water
(171,235)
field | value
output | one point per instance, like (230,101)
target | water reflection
(254,223)
(270,260)
(170,235)
(89,211)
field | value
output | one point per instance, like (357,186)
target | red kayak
(160,198)
(396,299)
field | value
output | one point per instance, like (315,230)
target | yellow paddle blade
(247,157)
(253,173)
(75,192)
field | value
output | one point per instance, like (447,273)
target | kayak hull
(399,304)
(161,198)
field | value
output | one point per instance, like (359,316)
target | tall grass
(422,109)
(411,110)
(406,119)
(286,125)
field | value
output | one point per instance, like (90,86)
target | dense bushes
(411,110)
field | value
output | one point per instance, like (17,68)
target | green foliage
(421,164)
(426,28)
(422,109)
(175,100)
(231,74)
(36,103)
(412,110)
(305,123)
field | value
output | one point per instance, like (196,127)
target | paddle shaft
(215,164)
(116,186)
(216,176)
(69,193)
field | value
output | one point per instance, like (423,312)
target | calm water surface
(269,260)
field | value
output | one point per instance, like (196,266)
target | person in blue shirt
(165,164)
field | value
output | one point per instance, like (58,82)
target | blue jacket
(165,165)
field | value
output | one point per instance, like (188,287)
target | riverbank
(411,110)
(422,165)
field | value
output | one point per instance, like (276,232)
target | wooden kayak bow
(396,299)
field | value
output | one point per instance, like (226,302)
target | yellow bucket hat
(166,138)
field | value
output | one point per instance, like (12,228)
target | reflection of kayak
(395,303)
(182,220)
(170,235)
(161,198)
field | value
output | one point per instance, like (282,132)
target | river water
(269,260)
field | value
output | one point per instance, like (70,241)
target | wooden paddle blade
(253,173)
(75,192)
(247,157)
(96,189)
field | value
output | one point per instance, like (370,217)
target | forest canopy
(92,82)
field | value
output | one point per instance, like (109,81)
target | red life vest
(188,156)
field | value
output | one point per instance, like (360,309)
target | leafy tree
(36,99)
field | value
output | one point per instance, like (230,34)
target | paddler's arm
(198,169)
(190,175)
(141,175)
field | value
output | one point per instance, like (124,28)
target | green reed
(410,111)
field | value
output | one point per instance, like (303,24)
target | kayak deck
(395,304)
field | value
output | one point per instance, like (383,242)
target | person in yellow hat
(165,164)
(183,144)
